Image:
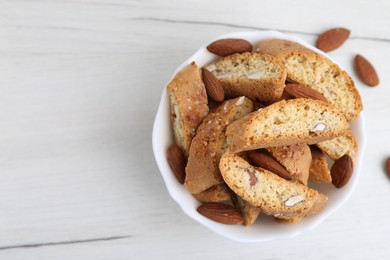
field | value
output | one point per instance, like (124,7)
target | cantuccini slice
(188,104)
(207,147)
(273,194)
(286,122)
(252,75)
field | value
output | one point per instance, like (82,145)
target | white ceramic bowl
(264,229)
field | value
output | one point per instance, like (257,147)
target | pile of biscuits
(256,126)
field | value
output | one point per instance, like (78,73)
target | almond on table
(387,166)
(366,71)
(332,39)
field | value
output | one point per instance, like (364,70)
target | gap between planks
(377,39)
(59,243)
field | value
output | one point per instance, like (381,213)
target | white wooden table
(80,82)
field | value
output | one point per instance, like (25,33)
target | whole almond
(332,39)
(269,163)
(177,162)
(341,171)
(221,213)
(229,46)
(388,166)
(303,91)
(366,71)
(213,86)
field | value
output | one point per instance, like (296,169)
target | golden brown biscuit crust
(256,76)
(207,147)
(188,104)
(286,123)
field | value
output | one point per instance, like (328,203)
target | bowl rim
(358,128)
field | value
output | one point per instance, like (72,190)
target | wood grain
(80,83)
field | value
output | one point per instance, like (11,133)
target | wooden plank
(80,83)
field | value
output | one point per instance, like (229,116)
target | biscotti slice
(286,122)
(321,74)
(319,170)
(295,158)
(249,212)
(252,75)
(273,194)
(217,193)
(202,171)
(188,104)
(339,146)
